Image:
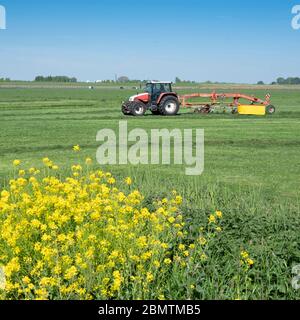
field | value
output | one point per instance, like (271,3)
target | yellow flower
(22,173)
(46,237)
(203,257)
(16,163)
(47,162)
(76,148)
(117,281)
(171,219)
(88,161)
(146,256)
(219,214)
(31,170)
(156,263)
(142,242)
(186,253)
(181,247)
(12,267)
(70,273)
(244,254)
(149,277)
(77,167)
(178,200)
(167,261)
(218,229)
(128,181)
(212,219)
(250,262)
(5,194)
(111,181)
(202,241)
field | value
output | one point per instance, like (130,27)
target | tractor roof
(155,82)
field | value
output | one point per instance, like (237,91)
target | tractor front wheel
(138,109)
(126,108)
(169,106)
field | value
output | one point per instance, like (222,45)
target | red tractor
(158,97)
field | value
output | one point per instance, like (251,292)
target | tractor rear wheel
(169,106)
(138,109)
(270,109)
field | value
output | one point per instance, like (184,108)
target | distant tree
(260,82)
(273,83)
(177,80)
(297,80)
(293,80)
(123,79)
(39,78)
(281,80)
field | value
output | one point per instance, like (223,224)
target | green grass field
(252,173)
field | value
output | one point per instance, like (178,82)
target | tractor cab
(156,88)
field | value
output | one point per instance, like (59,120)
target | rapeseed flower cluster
(245,261)
(82,237)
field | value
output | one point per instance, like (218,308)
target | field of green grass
(252,174)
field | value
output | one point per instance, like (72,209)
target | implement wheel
(270,109)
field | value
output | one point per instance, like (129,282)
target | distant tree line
(281,81)
(124,79)
(55,79)
(290,80)
(4,79)
(178,80)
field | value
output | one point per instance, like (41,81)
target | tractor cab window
(165,87)
(148,88)
(157,90)
(162,87)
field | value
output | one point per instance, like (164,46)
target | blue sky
(234,41)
